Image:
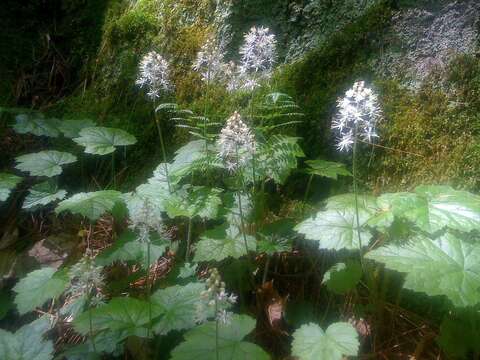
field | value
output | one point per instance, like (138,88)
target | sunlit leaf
(103,140)
(446,266)
(194,201)
(178,306)
(72,128)
(327,168)
(43,194)
(7,183)
(27,342)
(44,163)
(201,344)
(92,204)
(222,242)
(39,286)
(36,124)
(310,342)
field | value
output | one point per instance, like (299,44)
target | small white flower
(358,114)
(258,51)
(224,317)
(236,143)
(154,75)
(209,62)
(86,279)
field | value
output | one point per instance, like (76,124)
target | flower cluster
(86,280)
(358,114)
(236,142)
(215,297)
(144,217)
(154,75)
(258,51)
(209,62)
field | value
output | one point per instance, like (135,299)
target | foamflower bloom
(209,62)
(236,143)
(154,75)
(357,116)
(86,280)
(258,51)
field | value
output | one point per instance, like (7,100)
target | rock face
(422,39)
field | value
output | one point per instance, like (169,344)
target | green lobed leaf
(310,342)
(343,277)
(327,168)
(92,204)
(194,201)
(200,342)
(459,334)
(36,124)
(178,306)
(128,248)
(27,342)
(275,237)
(7,183)
(103,140)
(39,286)
(44,163)
(222,242)
(43,194)
(446,266)
(71,128)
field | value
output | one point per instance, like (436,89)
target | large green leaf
(327,168)
(103,140)
(310,342)
(7,183)
(178,305)
(446,266)
(72,128)
(128,248)
(92,204)
(222,242)
(194,201)
(336,228)
(44,163)
(36,124)
(459,210)
(459,334)
(127,315)
(43,194)
(343,277)
(27,342)
(200,342)
(38,287)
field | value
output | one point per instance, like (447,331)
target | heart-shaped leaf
(7,184)
(72,128)
(327,168)
(222,242)
(92,204)
(43,194)
(44,163)
(36,124)
(103,140)
(310,342)
(201,342)
(38,287)
(445,266)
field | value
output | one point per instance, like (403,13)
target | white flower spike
(154,75)
(358,114)
(209,62)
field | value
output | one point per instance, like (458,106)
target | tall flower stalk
(356,120)
(154,78)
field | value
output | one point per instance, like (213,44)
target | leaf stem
(189,239)
(355,190)
(114,182)
(162,145)
(216,329)
(147,283)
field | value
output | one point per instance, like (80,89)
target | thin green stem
(265,270)
(189,239)
(307,191)
(114,182)
(242,222)
(355,190)
(216,330)
(147,283)
(90,320)
(162,145)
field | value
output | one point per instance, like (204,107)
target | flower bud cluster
(86,279)
(236,143)
(209,63)
(358,114)
(154,75)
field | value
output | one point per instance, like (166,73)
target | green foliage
(38,287)
(275,237)
(102,140)
(36,124)
(201,344)
(128,248)
(446,266)
(310,342)
(459,333)
(194,201)
(7,183)
(27,342)
(327,169)
(91,205)
(44,163)
(178,306)
(71,128)
(222,242)
(343,277)
(43,194)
